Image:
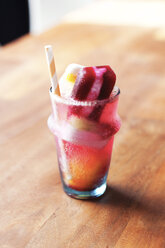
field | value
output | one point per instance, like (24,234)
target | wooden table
(34,211)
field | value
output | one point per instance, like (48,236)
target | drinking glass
(84,134)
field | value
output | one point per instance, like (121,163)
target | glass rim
(114,95)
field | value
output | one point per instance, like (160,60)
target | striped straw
(55,89)
(52,69)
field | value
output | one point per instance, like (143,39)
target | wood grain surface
(34,211)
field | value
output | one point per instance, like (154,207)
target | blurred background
(19,17)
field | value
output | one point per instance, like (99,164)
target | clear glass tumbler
(84,134)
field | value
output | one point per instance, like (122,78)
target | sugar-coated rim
(114,95)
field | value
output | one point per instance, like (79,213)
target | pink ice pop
(93,83)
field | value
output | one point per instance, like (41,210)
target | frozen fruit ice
(83,124)
(68,79)
(92,83)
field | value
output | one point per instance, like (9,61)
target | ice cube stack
(87,84)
